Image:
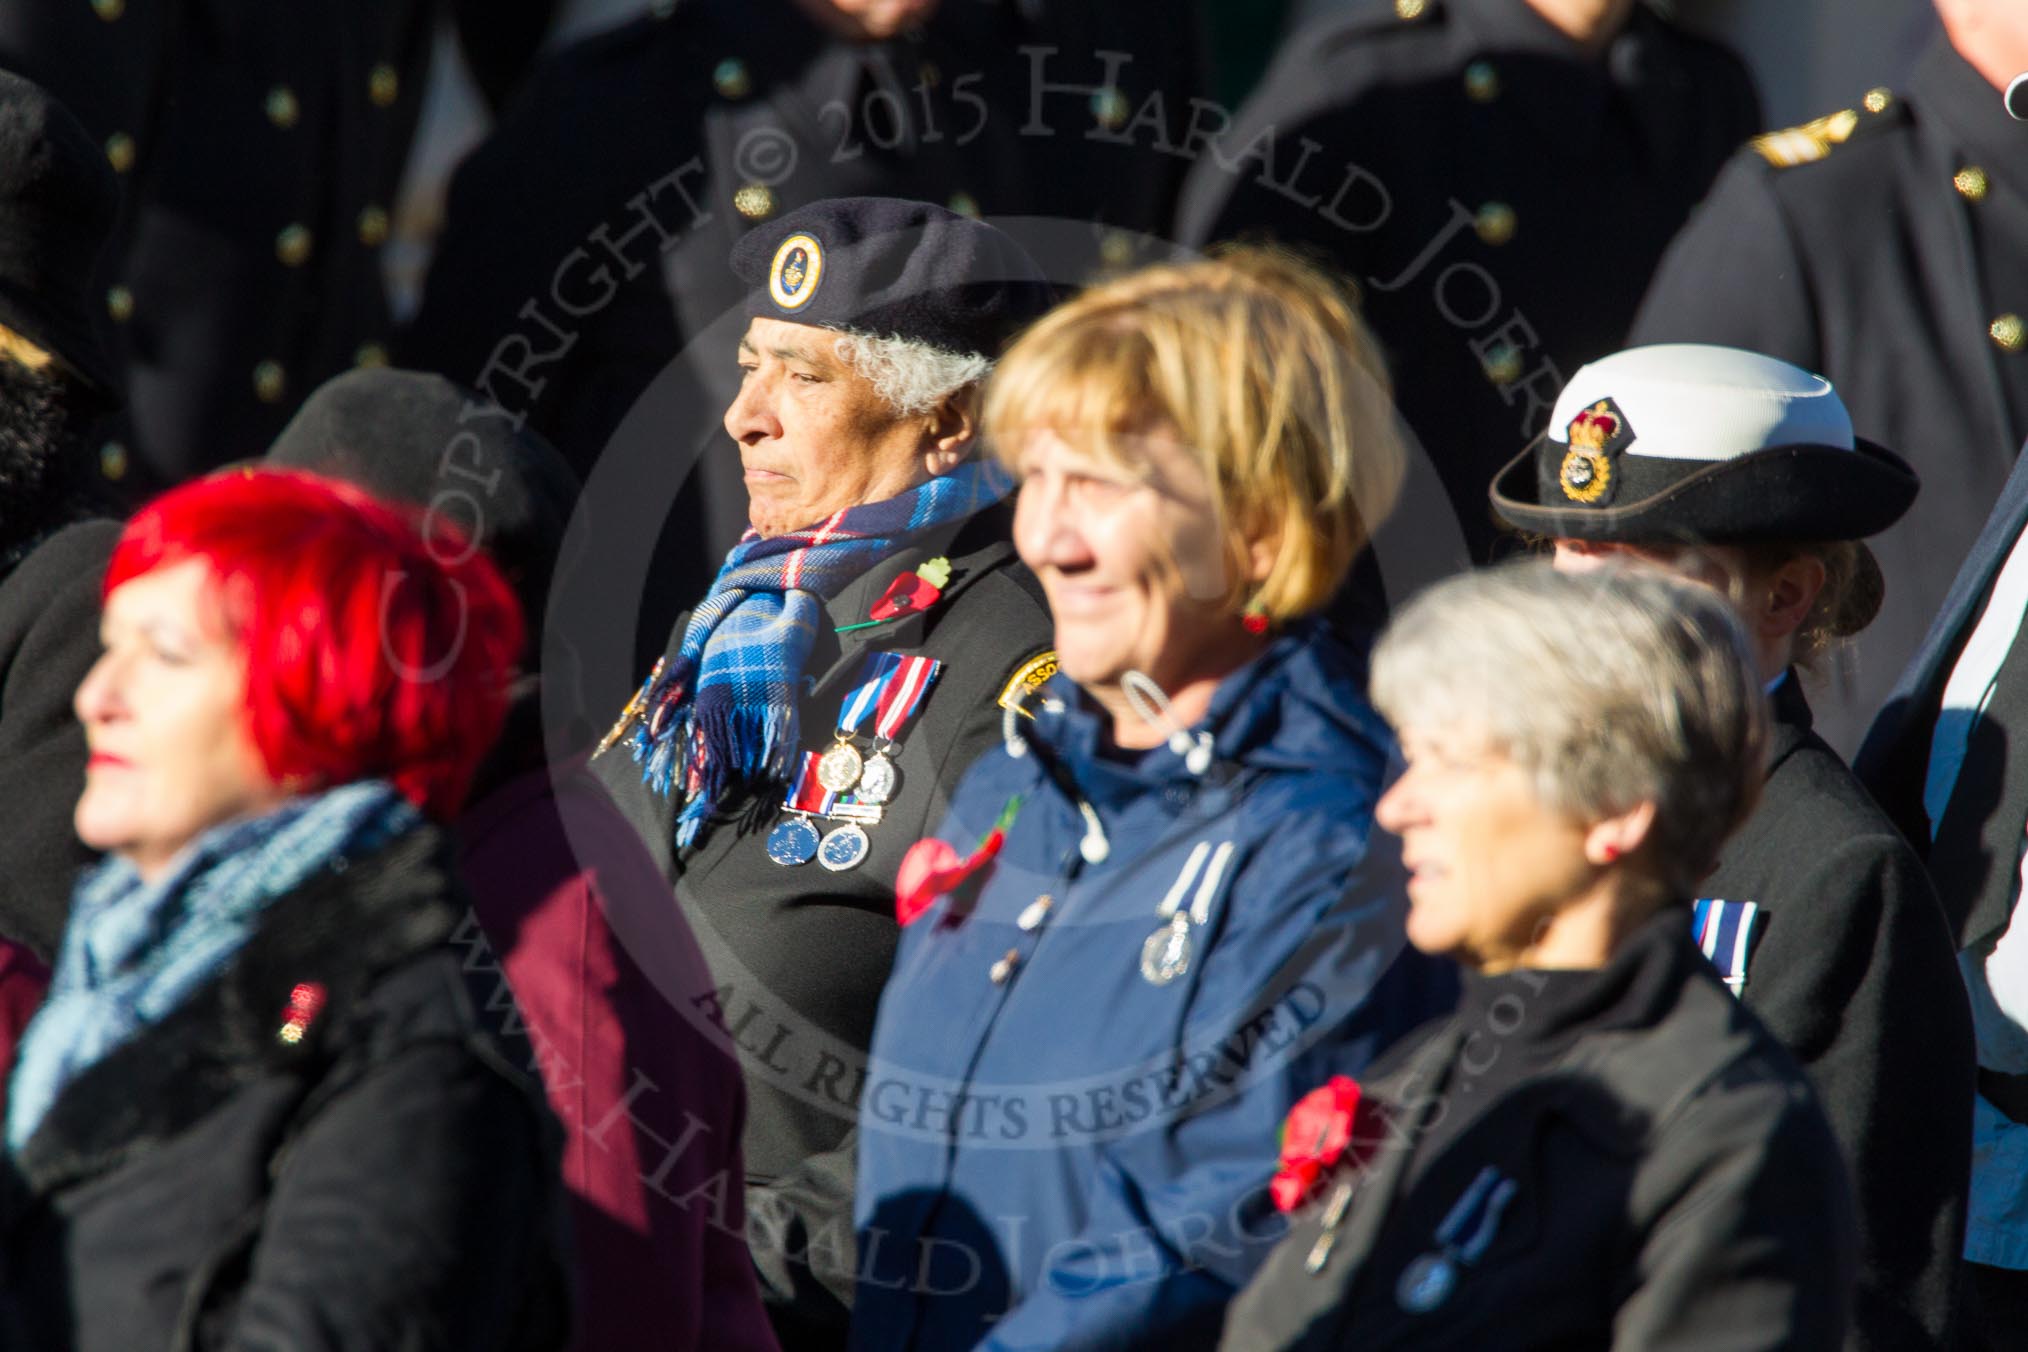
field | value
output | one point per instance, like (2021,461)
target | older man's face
(814,436)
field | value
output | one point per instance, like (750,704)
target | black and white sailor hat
(1686,442)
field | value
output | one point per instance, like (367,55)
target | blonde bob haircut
(1261,366)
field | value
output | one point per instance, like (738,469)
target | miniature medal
(1426,1283)
(843,847)
(878,780)
(1166,954)
(792,842)
(839,770)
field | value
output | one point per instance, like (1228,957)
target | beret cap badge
(1594,435)
(797,270)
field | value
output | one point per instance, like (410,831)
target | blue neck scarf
(729,695)
(134,951)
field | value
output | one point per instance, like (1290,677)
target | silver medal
(838,769)
(1426,1283)
(878,779)
(1166,954)
(792,842)
(843,848)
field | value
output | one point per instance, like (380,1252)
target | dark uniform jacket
(387,1180)
(1855,971)
(1674,1185)
(1499,197)
(49,638)
(259,148)
(1886,248)
(799,953)
(589,233)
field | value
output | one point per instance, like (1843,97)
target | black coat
(801,954)
(49,638)
(1856,972)
(1677,1188)
(259,150)
(387,1181)
(1880,261)
(657,144)
(1499,197)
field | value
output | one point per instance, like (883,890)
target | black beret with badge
(1688,442)
(58,198)
(893,268)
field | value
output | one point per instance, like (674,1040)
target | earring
(1612,854)
(1254,617)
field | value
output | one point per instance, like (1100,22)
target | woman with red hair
(258,1107)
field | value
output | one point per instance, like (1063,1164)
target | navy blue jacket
(1055,1151)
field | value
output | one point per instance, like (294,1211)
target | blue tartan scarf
(730,693)
(134,951)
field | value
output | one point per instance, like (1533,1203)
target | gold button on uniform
(1410,9)
(1971,183)
(964,204)
(1109,108)
(1482,82)
(1879,100)
(1503,364)
(755,201)
(2009,333)
(269,382)
(1495,223)
(282,107)
(383,85)
(931,75)
(373,227)
(370,354)
(113,460)
(1116,247)
(109,10)
(731,78)
(292,246)
(120,152)
(120,304)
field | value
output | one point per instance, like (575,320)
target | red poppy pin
(306,1002)
(1329,1126)
(913,592)
(932,868)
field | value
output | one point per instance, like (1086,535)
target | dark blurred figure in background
(56,204)
(1886,246)
(258,149)
(569,905)
(585,242)
(1499,177)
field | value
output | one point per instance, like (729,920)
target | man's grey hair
(912,376)
(1610,688)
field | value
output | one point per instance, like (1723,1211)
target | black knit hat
(417,438)
(58,199)
(1690,442)
(891,268)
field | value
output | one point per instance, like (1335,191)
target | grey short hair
(1610,687)
(912,376)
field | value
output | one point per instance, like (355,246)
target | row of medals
(871,780)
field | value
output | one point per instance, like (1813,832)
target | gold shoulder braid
(1810,142)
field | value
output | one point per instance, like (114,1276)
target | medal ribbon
(1478,1211)
(891,691)
(806,792)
